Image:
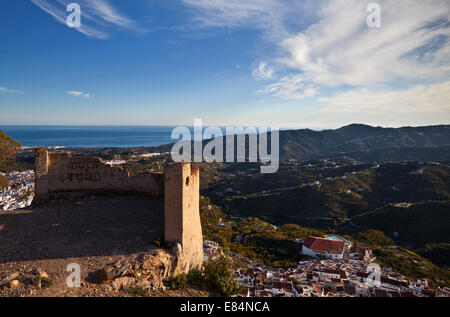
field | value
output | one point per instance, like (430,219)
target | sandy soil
(91,232)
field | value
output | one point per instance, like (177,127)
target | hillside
(342,192)
(368,143)
(410,199)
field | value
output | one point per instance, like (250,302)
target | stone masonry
(179,185)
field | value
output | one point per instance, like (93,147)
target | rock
(177,248)
(9,278)
(111,272)
(14,284)
(125,282)
(37,282)
(40,273)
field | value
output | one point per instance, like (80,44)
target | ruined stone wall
(179,186)
(60,172)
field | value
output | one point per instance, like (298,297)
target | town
(20,191)
(338,268)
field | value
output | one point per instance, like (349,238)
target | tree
(4,182)
(8,147)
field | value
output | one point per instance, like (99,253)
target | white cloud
(262,71)
(268,15)
(340,49)
(326,44)
(98,17)
(76,93)
(418,103)
(11,91)
(290,87)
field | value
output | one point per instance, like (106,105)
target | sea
(96,136)
(90,136)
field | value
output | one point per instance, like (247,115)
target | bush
(4,182)
(157,242)
(8,147)
(137,291)
(178,282)
(374,237)
(46,282)
(219,276)
(195,277)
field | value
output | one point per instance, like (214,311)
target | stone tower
(182,212)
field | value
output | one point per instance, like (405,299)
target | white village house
(328,248)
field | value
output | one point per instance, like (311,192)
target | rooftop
(323,245)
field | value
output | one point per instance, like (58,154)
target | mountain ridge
(306,143)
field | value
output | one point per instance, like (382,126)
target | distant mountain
(366,143)
(356,141)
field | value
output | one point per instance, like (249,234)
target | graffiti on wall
(82,171)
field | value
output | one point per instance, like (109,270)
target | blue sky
(285,63)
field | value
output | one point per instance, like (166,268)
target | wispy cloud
(76,93)
(327,44)
(268,15)
(418,99)
(419,104)
(98,17)
(412,44)
(263,72)
(11,91)
(290,87)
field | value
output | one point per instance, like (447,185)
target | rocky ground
(111,239)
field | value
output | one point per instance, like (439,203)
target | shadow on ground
(98,226)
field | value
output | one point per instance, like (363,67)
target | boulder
(110,272)
(40,273)
(14,284)
(177,248)
(9,278)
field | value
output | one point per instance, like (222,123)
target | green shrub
(219,276)
(374,237)
(137,291)
(157,242)
(46,282)
(178,282)
(195,277)
(4,182)
(8,147)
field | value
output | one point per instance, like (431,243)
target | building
(360,251)
(321,247)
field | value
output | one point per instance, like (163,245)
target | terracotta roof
(331,271)
(323,245)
